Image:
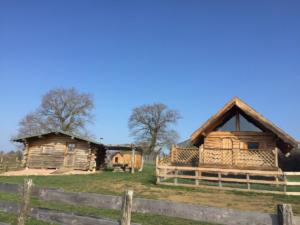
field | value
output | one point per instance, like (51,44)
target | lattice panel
(256,158)
(214,156)
(240,158)
(185,155)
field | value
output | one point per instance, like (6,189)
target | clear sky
(193,56)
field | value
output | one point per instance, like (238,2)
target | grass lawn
(143,184)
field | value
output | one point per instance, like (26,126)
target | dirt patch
(43,172)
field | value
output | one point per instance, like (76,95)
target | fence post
(248,181)
(132,159)
(197,176)
(157,169)
(126,208)
(176,177)
(220,179)
(285,214)
(25,201)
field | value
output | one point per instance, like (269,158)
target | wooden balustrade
(222,178)
(259,158)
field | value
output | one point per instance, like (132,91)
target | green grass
(89,182)
(12,219)
(143,183)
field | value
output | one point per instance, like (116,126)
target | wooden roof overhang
(121,147)
(284,141)
(27,138)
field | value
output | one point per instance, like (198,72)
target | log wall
(239,140)
(57,155)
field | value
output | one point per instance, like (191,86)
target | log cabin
(59,149)
(125,159)
(237,136)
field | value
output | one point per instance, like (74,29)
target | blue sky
(193,56)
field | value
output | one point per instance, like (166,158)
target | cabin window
(246,125)
(46,149)
(253,145)
(238,123)
(116,160)
(71,147)
(229,125)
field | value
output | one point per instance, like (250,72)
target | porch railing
(227,157)
(239,157)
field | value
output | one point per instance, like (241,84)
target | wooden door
(70,153)
(226,143)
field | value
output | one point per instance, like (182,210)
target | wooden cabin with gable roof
(237,136)
(59,149)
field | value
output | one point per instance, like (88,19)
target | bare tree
(60,109)
(151,124)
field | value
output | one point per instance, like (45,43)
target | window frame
(254,144)
(74,149)
(50,149)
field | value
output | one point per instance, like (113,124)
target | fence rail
(53,216)
(158,207)
(275,182)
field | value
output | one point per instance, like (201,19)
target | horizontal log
(293,183)
(88,199)
(203,213)
(291,173)
(54,216)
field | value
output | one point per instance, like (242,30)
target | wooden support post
(132,160)
(276,157)
(235,155)
(126,208)
(248,181)
(285,214)
(172,153)
(165,173)
(220,179)
(176,179)
(237,122)
(25,201)
(197,176)
(201,155)
(157,169)
(25,155)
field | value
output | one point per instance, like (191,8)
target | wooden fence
(6,165)
(139,205)
(27,191)
(275,182)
